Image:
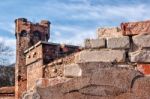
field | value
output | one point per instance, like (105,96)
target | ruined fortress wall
(40,55)
(34,63)
(34,71)
(56,68)
(110,67)
(27,35)
(111,46)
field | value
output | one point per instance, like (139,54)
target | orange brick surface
(135,28)
(144,68)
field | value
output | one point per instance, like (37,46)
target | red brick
(26,36)
(134,28)
(144,68)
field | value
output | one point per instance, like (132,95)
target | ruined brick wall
(53,51)
(7,92)
(34,63)
(34,71)
(56,68)
(110,67)
(27,34)
(40,55)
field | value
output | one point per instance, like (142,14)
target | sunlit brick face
(27,35)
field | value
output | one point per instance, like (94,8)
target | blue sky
(72,20)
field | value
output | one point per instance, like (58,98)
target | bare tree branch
(5,54)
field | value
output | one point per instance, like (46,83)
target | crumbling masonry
(113,66)
(34,51)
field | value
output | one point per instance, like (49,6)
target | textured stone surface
(34,72)
(7,90)
(75,84)
(84,69)
(45,82)
(118,42)
(140,56)
(95,43)
(141,88)
(56,68)
(134,28)
(106,83)
(100,90)
(114,80)
(101,56)
(142,40)
(31,95)
(109,32)
(51,92)
(120,78)
(72,70)
(7,97)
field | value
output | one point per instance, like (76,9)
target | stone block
(84,69)
(7,90)
(42,82)
(120,78)
(104,82)
(140,56)
(102,90)
(141,88)
(134,28)
(45,82)
(142,40)
(72,70)
(95,43)
(118,42)
(31,95)
(75,84)
(100,56)
(109,32)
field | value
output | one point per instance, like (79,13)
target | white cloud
(76,34)
(86,11)
(8,41)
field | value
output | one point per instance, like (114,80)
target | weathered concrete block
(118,42)
(72,70)
(120,78)
(84,69)
(46,82)
(140,56)
(96,90)
(142,40)
(104,82)
(95,43)
(109,32)
(75,84)
(100,56)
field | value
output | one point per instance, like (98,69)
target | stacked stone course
(108,68)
